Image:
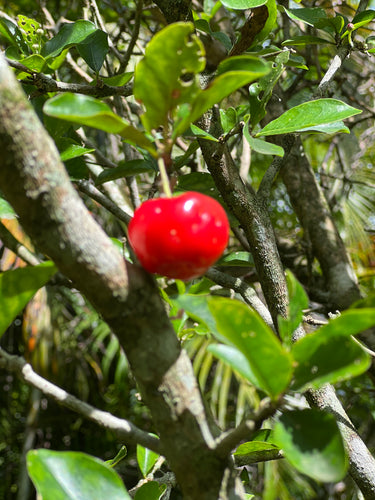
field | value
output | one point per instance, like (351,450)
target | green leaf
(228,118)
(260,146)
(306,40)
(269,25)
(202,134)
(237,259)
(321,360)
(179,56)
(72,475)
(196,307)
(118,80)
(146,459)
(307,15)
(361,19)
(330,354)
(255,451)
(70,149)
(13,35)
(233,73)
(298,301)
(94,49)
(119,456)
(125,169)
(18,286)
(243,328)
(233,357)
(6,210)
(69,35)
(329,128)
(309,114)
(242,4)
(265,86)
(34,62)
(350,322)
(85,110)
(312,443)
(150,491)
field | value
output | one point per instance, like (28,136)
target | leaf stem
(164,177)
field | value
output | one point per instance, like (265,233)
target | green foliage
(18,286)
(66,475)
(311,441)
(146,459)
(309,116)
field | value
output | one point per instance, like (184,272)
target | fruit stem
(164,178)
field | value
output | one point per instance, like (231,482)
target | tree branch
(45,83)
(123,429)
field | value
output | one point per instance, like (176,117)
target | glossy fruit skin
(179,237)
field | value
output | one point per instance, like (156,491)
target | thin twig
(94,193)
(134,37)
(123,429)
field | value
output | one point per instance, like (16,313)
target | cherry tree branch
(45,83)
(122,429)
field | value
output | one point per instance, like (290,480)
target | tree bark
(35,182)
(315,216)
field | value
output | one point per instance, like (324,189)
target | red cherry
(179,237)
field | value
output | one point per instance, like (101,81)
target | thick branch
(36,184)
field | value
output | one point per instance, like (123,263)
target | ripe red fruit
(179,237)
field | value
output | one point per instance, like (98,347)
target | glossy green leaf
(70,149)
(178,56)
(198,132)
(85,110)
(146,459)
(330,354)
(118,80)
(233,73)
(328,128)
(350,322)
(243,328)
(306,40)
(312,443)
(237,259)
(13,35)
(309,114)
(361,19)
(260,146)
(18,286)
(269,25)
(196,307)
(243,4)
(151,490)
(123,452)
(73,475)
(125,169)
(322,360)
(69,35)
(6,210)
(255,451)
(93,49)
(228,118)
(34,62)
(298,301)
(264,87)
(233,357)
(307,15)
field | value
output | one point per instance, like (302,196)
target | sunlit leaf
(18,286)
(72,475)
(243,328)
(309,114)
(312,443)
